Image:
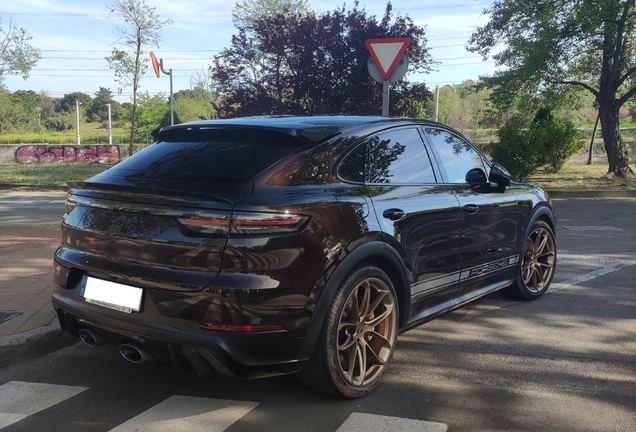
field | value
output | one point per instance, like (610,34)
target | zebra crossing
(19,400)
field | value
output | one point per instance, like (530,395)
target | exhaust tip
(134,354)
(90,338)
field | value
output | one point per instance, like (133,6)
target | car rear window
(213,154)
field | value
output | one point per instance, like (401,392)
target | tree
(99,109)
(141,29)
(67,103)
(192,105)
(584,43)
(27,104)
(154,112)
(17,56)
(248,11)
(7,109)
(306,63)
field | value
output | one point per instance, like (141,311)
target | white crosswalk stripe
(57,202)
(192,414)
(19,400)
(359,422)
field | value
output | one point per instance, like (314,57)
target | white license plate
(112,295)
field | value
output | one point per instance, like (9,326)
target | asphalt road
(565,362)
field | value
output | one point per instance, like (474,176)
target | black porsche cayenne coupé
(269,245)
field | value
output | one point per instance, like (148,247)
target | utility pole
(77,104)
(436,102)
(110,128)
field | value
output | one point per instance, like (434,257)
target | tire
(358,336)
(538,262)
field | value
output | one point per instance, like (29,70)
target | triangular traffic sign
(386,53)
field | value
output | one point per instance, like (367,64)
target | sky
(74,36)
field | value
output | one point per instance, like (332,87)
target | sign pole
(388,64)
(385,98)
(171,98)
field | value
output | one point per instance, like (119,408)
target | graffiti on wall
(106,154)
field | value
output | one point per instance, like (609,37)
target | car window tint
(237,154)
(457,157)
(398,157)
(352,167)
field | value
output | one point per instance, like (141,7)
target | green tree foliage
(7,110)
(27,104)
(153,112)
(67,103)
(307,63)
(248,11)
(99,108)
(584,43)
(526,145)
(128,60)
(17,56)
(62,122)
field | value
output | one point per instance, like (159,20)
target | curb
(33,343)
(561,194)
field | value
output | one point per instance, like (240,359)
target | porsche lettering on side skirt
(490,267)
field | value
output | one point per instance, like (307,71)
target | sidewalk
(26,278)
(28,323)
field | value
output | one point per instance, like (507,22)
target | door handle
(471,208)
(393,214)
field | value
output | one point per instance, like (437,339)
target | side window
(456,156)
(352,167)
(398,157)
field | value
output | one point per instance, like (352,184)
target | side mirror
(476,176)
(499,175)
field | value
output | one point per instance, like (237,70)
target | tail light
(245,223)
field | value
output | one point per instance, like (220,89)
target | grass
(580,176)
(573,176)
(55,174)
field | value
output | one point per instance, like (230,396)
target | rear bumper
(172,340)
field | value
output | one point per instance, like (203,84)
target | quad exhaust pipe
(134,353)
(91,338)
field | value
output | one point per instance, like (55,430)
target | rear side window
(210,154)
(396,157)
(457,157)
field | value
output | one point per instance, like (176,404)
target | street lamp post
(77,104)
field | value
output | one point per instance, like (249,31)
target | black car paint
(291,278)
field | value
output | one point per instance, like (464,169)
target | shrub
(559,140)
(516,150)
(524,146)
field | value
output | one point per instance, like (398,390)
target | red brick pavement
(26,276)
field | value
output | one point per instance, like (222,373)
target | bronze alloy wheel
(538,262)
(366,333)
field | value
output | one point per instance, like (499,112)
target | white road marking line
(358,422)
(16,201)
(185,413)
(591,228)
(19,400)
(608,265)
(57,202)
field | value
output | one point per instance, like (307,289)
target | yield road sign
(386,53)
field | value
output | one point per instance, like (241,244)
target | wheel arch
(374,253)
(544,213)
